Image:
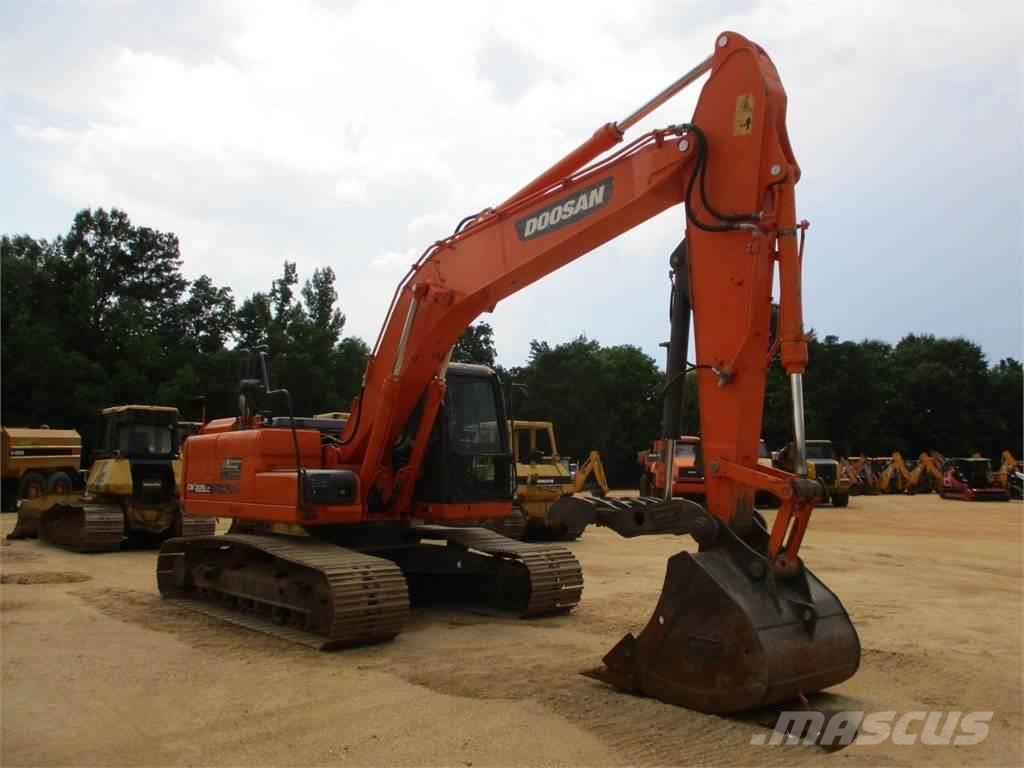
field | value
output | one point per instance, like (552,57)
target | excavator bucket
(727,635)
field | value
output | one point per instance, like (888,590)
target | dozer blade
(727,635)
(30,510)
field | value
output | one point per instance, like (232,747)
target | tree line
(868,397)
(102,315)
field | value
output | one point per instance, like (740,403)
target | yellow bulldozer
(131,492)
(543,477)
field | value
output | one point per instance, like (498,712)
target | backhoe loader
(859,474)
(543,477)
(1008,475)
(925,476)
(131,492)
(740,624)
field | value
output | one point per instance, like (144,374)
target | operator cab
(468,458)
(137,432)
(975,472)
(147,437)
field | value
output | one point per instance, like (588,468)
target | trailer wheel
(32,486)
(59,482)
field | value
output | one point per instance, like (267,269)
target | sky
(354,135)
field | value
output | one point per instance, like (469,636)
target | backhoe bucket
(727,635)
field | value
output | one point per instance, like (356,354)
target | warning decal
(744,121)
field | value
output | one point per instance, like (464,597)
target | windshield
(686,450)
(820,451)
(541,442)
(473,416)
(762,451)
(145,439)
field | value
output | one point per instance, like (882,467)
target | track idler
(727,635)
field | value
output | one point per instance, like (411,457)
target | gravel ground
(97,670)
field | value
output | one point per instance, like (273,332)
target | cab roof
(471,368)
(42,432)
(124,408)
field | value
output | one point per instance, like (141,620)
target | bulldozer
(131,491)
(543,477)
(743,622)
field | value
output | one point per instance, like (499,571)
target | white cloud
(351,190)
(355,135)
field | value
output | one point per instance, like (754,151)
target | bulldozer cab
(821,450)
(137,432)
(136,453)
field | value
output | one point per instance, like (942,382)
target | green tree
(604,398)
(475,345)
(321,370)
(1006,405)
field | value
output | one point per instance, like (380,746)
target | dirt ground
(97,670)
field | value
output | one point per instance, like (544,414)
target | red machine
(740,624)
(971,480)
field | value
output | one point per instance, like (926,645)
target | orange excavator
(740,624)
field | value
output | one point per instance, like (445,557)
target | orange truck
(687,469)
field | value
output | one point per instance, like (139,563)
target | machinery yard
(98,670)
(775,528)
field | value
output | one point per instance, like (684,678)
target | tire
(841,500)
(59,482)
(31,486)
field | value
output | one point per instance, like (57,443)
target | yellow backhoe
(543,477)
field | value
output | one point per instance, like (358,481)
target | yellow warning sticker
(744,121)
